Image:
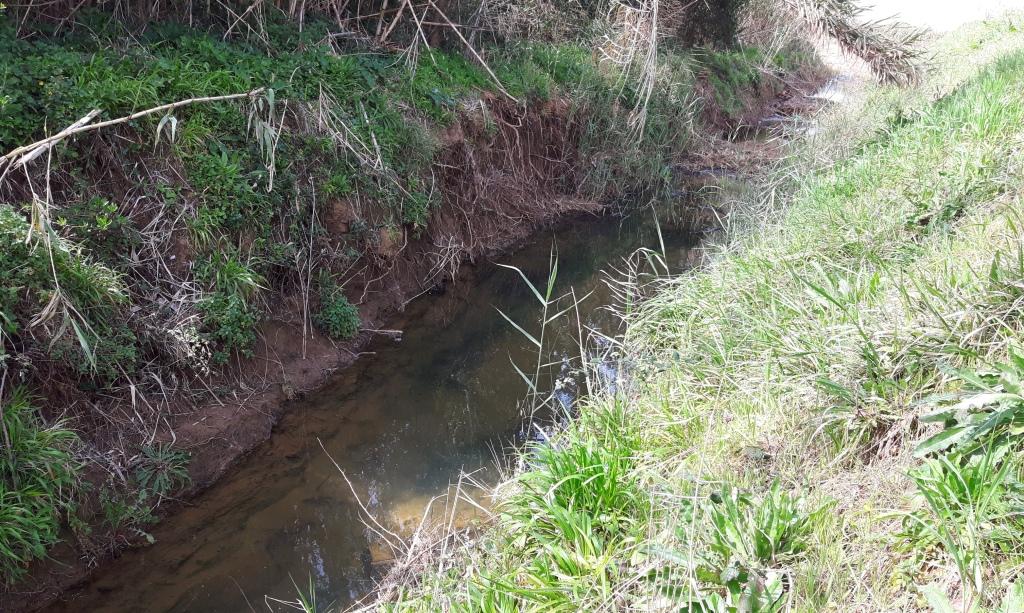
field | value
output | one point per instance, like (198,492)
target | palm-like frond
(889,48)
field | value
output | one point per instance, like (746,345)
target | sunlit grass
(762,457)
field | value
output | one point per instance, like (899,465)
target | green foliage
(123,511)
(578,510)
(745,592)
(37,480)
(93,339)
(98,225)
(162,470)
(539,70)
(747,544)
(231,311)
(22,268)
(972,506)
(225,272)
(440,79)
(759,533)
(733,75)
(112,353)
(834,293)
(581,480)
(1012,601)
(231,323)
(230,199)
(53,81)
(338,185)
(337,317)
(990,408)
(416,208)
(970,485)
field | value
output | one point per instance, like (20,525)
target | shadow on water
(402,424)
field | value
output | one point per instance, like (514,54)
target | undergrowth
(233,196)
(338,317)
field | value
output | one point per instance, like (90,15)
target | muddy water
(402,424)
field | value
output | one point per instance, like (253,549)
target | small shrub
(98,225)
(338,318)
(969,506)
(159,472)
(230,200)
(94,341)
(123,511)
(733,74)
(759,533)
(990,407)
(751,542)
(231,324)
(338,185)
(578,493)
(113,353)
(162,470)
(416,208)
(230,312)
(224,272)
(22,268)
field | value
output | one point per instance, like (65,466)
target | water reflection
(402,425)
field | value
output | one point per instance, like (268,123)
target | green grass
(734,74)
(214,172)
(765,452)
(38,479)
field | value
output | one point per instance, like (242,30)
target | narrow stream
(402,424)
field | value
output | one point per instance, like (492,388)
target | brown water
(402,424)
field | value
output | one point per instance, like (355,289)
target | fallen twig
(27,153)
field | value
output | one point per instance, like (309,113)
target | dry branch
(29,152)
(472,50)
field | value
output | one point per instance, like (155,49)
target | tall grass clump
(37,480)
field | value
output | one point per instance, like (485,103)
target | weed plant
(337,317)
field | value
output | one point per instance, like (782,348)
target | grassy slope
(762,458)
